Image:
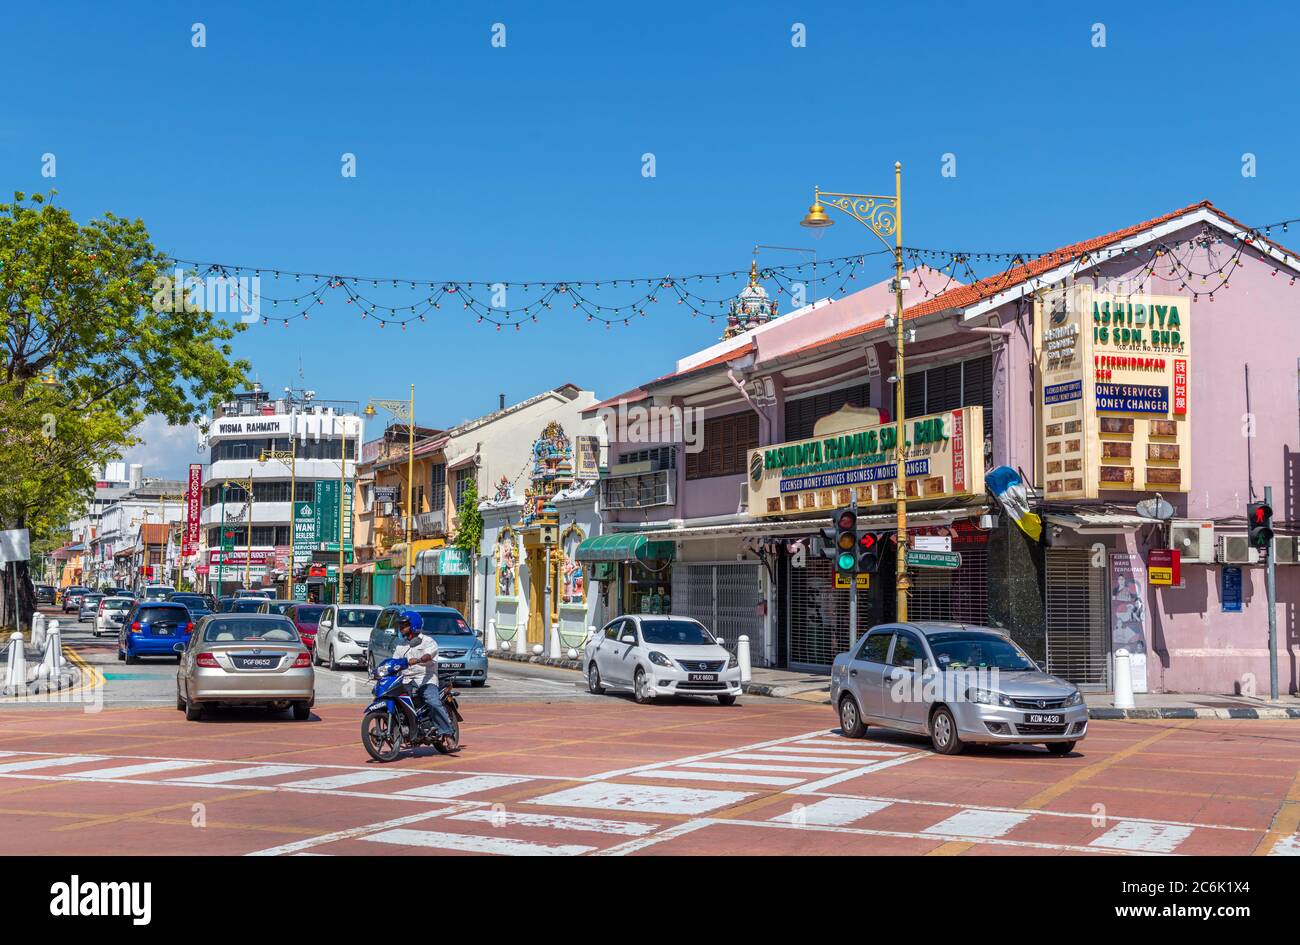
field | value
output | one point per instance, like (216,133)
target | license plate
(1034,719)
(452,665)
(703,677)
(163,630)
(256,662)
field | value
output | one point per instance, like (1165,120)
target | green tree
(469,522)
(95,339)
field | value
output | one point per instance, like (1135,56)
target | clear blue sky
(525,162)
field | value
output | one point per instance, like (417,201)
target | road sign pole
(1269,577)
(853,593)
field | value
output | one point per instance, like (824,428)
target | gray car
(460,652)
(244,659)
(956,683)
(87,607)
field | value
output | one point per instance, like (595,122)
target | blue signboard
(1230,590)
(1063,393)
(1133,398)
(851,477)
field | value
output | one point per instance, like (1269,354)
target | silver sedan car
(955,683)
(245,659)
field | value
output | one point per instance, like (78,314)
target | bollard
(521,641)
(490,641)
(16,671)
(742,657)
(52,664)
(39,631)
(37,624)
(538,650)
(1123,680)
(553,639)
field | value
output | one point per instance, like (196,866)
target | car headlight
(988,697)
(344,638)
(659,659)
(731,661)
(479,652)
(1073,698)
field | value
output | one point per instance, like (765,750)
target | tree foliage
(469,522)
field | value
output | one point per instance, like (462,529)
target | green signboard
(327,513)
(934,559)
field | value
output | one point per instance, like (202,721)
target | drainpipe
(959,325)
(763,417)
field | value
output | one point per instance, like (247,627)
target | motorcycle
(393,722)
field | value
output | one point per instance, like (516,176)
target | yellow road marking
(1285,822)
(1070,782)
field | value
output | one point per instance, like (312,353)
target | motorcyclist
(421,673)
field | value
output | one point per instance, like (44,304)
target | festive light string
(577,296)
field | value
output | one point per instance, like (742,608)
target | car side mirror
(628,638)
(720,641)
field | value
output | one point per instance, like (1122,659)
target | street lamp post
(883,216)
(291,456)
(402,411)
(247,486)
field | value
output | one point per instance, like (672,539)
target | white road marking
(463,786)
(769,779)
(605,775)
(348,780)
(858,772)
(644,798)
(241,774)
(1143,837)
(470,843)
(824,764)
(1287,846)
(832,812)
(298,846)
(31,763)
(726,766)
(977,823)
(498,818)
(836,752)
(131,771)
(851,745)
(632,846)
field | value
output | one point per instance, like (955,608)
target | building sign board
(1164,567)
(1230,590)
(1113,393)
(193,510)
(586,457)
(824,473)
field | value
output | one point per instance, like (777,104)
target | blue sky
(524,162)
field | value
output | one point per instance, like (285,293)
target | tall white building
(323,437)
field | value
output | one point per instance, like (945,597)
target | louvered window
(802,415)
(727,441)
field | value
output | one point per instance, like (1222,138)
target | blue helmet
(413,618)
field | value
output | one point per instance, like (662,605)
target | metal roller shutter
(818,615)
(960,595)
(1078,632)
(724,598)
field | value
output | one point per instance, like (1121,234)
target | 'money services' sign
(944,458)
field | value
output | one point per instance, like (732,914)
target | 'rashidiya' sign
(944,456)
(1113,393)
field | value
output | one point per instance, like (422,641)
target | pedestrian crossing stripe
(473,843)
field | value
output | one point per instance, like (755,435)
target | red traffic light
(867,541)
(847,519)
(1262,514)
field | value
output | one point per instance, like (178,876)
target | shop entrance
(1078,632)
(536,632)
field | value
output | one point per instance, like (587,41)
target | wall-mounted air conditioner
(1236,549)
(1286,549)
(1194,539)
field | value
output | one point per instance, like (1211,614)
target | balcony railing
(637,490)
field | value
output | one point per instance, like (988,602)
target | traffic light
(870,545)
(1259,519)
(846,542)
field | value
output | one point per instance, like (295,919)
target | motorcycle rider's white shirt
(425,673)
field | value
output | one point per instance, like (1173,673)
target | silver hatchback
(956,683)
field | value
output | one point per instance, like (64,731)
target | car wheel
(593,681)
(193,712)
(1061,748)
(851,718)
(301,711)
(131,658)
(120,655)
(641,687)
(334,664)
(943,732)
(726,700)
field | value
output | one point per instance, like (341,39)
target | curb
(535,660)
(1190,713)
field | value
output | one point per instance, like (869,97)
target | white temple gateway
(751,308)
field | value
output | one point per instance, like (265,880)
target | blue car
(460,652)
(196,604)
(153,628)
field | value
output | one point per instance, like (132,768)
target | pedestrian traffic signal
(1259,519)
(870,545)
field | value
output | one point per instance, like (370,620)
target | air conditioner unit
(1236,549)
(1286,549)
(1194,539)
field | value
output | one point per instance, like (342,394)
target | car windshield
(357,618)
(92,598)
(308,615)
(163,613)
(278,606)
(116,604)
(236,630)
(678,632)
(442,624)
(964,650)
(245,605)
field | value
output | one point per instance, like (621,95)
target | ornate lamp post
(883,216)
(402,411)
(247,485)
(289,456)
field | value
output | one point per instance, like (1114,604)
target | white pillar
(554,640)
(16,670)
(742,657)
(1123,680)
(521,637)
(38,625)
(53,662)
(490,641)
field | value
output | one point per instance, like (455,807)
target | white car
(343,634)
(110,613)
(657,655)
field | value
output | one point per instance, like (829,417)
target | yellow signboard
(841,581)
(1114,374)
(944,460)
(1160,575)
(864,581)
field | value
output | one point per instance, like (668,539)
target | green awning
(624,546)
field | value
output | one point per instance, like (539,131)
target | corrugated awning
(624,546)
(1099,522)
(809,525)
